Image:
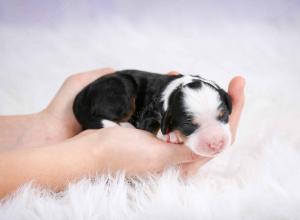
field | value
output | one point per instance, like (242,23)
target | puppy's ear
(226,99)
(165,123)
(195,84)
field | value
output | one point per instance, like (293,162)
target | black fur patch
(110,97)
(225,98)
(195,84)
(225,106)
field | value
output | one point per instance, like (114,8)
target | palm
(59,111)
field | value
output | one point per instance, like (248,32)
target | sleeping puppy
(179,109)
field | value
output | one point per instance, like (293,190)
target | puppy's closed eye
(188,128)
(223,116)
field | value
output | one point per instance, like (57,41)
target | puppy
(179,109)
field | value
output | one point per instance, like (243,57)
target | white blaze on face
(172,86)
(212,136)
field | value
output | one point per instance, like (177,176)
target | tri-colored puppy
(179,109)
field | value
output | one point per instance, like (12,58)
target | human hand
(134,151)
(92,152)
(61,122)
(236,92)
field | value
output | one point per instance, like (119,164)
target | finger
(90,76)
(173,73)
(99,72)
(236,92)
(81,134)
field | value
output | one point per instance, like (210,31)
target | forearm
(52,167)
(29,130)
(15,128)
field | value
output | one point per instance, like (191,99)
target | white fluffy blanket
(256,178)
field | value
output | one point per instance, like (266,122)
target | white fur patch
(160,135)
(109,123)
(172,86)
(203,102)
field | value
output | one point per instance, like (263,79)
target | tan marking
(131,112)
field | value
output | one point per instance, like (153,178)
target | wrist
(18,130)
(56,129)
(40,129)
(61,114)
(35,132)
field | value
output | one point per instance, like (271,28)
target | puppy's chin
(204,153)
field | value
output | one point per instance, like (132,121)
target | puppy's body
(179,108)
(128,95)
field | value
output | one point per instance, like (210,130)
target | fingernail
(243,83)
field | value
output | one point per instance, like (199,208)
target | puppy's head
(197,111)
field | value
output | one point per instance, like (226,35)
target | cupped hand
(132,150)
(61,122)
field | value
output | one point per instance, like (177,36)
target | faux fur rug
(256,178)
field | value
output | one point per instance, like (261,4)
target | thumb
(236,92)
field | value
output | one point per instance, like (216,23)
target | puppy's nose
(213,144)
(216,145)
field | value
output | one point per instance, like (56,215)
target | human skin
(49,148)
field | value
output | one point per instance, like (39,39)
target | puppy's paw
(171,137)
(109,123)
(174,138)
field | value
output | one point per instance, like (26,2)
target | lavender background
(43,42)
(35,12)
